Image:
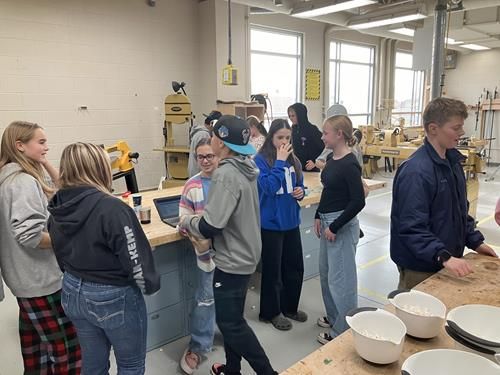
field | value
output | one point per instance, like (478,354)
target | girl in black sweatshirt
(306,137)
(106,259)
(337,226)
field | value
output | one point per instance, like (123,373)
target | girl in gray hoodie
(29,267)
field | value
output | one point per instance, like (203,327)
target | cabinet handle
(155,316)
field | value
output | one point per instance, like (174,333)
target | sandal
(279,322)
(299,316)
(189,361)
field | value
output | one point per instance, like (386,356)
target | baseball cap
(214,115)
(336,110)
(235,133)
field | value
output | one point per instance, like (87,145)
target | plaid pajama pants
(49,344)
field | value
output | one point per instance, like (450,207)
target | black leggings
(282,272)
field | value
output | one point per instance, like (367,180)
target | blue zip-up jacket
(279,210)
(430,210)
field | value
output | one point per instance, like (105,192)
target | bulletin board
(313,84)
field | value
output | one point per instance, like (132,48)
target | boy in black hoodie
(306,137)
(107,262)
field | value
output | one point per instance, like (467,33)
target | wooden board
(159,233)
(340,357)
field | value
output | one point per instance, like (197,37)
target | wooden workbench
(159,233)
(340,357)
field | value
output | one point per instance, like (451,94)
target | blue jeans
(337,271)
(203,314)
(105,316)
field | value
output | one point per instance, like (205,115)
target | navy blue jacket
(430,210)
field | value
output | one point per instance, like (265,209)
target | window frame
(299,57)
(416,113)
(372,75)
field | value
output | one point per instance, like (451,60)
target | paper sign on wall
(313,84)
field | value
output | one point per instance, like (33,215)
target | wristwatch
(443,256)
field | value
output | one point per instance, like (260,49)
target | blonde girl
(29,267)
(337,226)
(107,263)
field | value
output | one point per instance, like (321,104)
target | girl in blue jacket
(280,188)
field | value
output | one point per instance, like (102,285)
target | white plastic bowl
(448,362)
(378,335)
(461,343)
(422,313)
(477,323)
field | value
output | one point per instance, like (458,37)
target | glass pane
(404,60)
(355,87)
(278,77)
(403,91)
(359,120)
(356,53)
(269,41)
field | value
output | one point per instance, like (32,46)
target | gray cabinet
(310,243)
(169,309)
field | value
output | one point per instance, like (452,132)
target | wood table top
(340,357)
(159,233)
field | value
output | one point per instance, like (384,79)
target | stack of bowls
(448,362)
(378,335)
(422,313)
(476,328)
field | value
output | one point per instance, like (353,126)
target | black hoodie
(306,137)
(98,238)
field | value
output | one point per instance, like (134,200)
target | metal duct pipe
(437,67)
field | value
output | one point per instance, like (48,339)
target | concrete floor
(377,276)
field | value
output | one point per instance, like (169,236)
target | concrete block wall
(117,57)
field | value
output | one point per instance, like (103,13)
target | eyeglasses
(209,157)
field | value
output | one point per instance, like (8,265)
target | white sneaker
(324,338)
(324,322)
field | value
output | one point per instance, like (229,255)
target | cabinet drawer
(165,325)
(311,263)
(309,239)
(307,215)
(167,257)
(169,294)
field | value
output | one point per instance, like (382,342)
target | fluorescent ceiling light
(453,41)
(388,21)
(410,32)
(403,31)
(322,10)
(475,47)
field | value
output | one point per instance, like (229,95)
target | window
(408,90)
(276,66)
(351,79)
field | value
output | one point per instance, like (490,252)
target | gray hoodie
(198,132)
(233,206)
(27,270)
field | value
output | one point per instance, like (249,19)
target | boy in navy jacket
(430,224)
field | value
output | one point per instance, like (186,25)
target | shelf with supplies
(241,109)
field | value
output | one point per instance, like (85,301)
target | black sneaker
(220,369)
(324,338)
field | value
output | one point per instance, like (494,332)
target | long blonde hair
(344,124)
(22,131)
(85,164)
